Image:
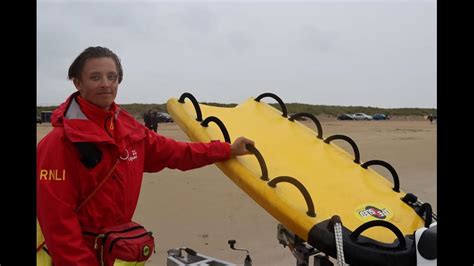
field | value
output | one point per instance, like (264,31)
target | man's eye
(95,77)
(112,77)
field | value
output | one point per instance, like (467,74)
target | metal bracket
(298,247)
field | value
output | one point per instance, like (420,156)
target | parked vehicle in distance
(380,117)
(38,120)
(299,118)
(361,116)
(345,117)
(164,118)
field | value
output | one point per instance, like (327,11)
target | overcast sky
(359,53)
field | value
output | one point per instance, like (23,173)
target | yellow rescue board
(336,184)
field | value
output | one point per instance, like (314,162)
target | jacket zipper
(127,237)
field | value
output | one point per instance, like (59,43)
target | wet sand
(202,209)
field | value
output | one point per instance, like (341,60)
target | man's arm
(164,152)
(161,152)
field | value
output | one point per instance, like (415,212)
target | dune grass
(138,109)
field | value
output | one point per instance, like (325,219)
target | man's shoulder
(128,120)
(54,137)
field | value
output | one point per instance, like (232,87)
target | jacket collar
(80,128)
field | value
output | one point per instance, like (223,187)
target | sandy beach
(202,209)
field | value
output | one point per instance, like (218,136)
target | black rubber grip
(261,161)
(221,125)
(282,105)
(302,189)
(312,117)
(401,240)
(195,103)
(396,181)
(350,141)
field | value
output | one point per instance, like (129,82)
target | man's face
(99,82)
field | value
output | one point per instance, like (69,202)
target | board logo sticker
(373,211)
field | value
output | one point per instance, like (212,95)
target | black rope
(302,189)
(221,125)
(282,105)
(346,138)
(195,103)
(401,240)
(312,117)
(261,161)
(396,181)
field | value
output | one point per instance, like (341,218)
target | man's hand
(238,147)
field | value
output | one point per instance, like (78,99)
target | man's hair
(93,52)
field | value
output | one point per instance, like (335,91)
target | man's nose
(104,82)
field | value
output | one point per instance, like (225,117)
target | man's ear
(77,83)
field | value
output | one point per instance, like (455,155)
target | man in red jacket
(121,148)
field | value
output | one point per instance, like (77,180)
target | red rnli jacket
(63,182)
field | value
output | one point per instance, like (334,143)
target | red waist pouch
(129,242)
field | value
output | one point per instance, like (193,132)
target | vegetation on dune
(333,110)
(138,109)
